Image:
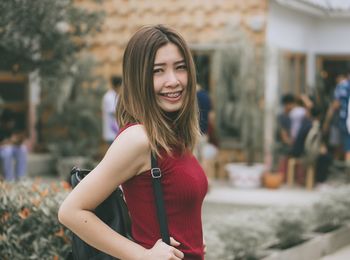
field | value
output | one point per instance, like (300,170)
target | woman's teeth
(171,95)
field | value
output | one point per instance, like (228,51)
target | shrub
(332,210)
(289,227)
(29,228)
(245,234)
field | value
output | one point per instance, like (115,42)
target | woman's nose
(171,79)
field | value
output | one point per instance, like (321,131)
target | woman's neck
(171,116)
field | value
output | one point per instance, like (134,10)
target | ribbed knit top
(184,186)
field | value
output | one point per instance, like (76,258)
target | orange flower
(54,187)
(36,202)
(5,217)
(35,187)
(60,233)
(24,213)
(35,184)
(55,257)
(44,193)
(66,185)
(38,180)
(3,185)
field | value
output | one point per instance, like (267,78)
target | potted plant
(240,73)
(272,180)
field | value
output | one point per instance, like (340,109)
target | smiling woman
(170,78)
(157,112)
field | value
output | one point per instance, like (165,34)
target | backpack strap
(158,194)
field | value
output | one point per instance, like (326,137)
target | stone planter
(65,164)
(41,165)
(242,175)
(315,248)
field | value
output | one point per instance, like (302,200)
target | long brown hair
(137,102)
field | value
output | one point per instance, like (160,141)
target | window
(294,73)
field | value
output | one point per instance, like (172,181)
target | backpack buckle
(156,173)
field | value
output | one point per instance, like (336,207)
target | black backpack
(313,143)
(114,212)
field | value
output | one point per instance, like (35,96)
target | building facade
(299,41)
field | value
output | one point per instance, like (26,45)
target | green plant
(46,39)
(73,127)
(43,35)
(29,228)
(240,73)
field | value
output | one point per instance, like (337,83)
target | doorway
(329,67)
(14,96)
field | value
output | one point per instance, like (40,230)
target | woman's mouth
(171,94)
(172,97)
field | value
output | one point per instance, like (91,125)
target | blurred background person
(297,114)
(205,151)
(204,105)
(339,109)
(110,127)
(284,140)
(13,152)
(284,123)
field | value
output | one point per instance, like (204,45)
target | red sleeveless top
(184,185)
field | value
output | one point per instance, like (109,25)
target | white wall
(292,30)
(331,36)
(288,29)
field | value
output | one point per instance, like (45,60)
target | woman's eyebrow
(180,61)
(163,63)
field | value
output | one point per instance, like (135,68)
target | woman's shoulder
(134,134)
(129,151)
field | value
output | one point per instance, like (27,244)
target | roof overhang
(319,8)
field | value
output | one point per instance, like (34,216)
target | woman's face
(170,78)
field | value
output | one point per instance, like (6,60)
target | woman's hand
(204,246)
(162,251)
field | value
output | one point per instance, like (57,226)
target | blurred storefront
(307,46)
(303,41)
(299,39)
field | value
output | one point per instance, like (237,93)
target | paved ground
(341,254)
(221,192)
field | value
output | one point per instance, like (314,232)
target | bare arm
(285,137)
(330,112)
(128,156)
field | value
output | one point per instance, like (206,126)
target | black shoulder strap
(158,194)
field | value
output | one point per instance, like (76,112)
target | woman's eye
(157,70)
(182,67)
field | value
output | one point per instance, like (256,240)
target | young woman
(157,111)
